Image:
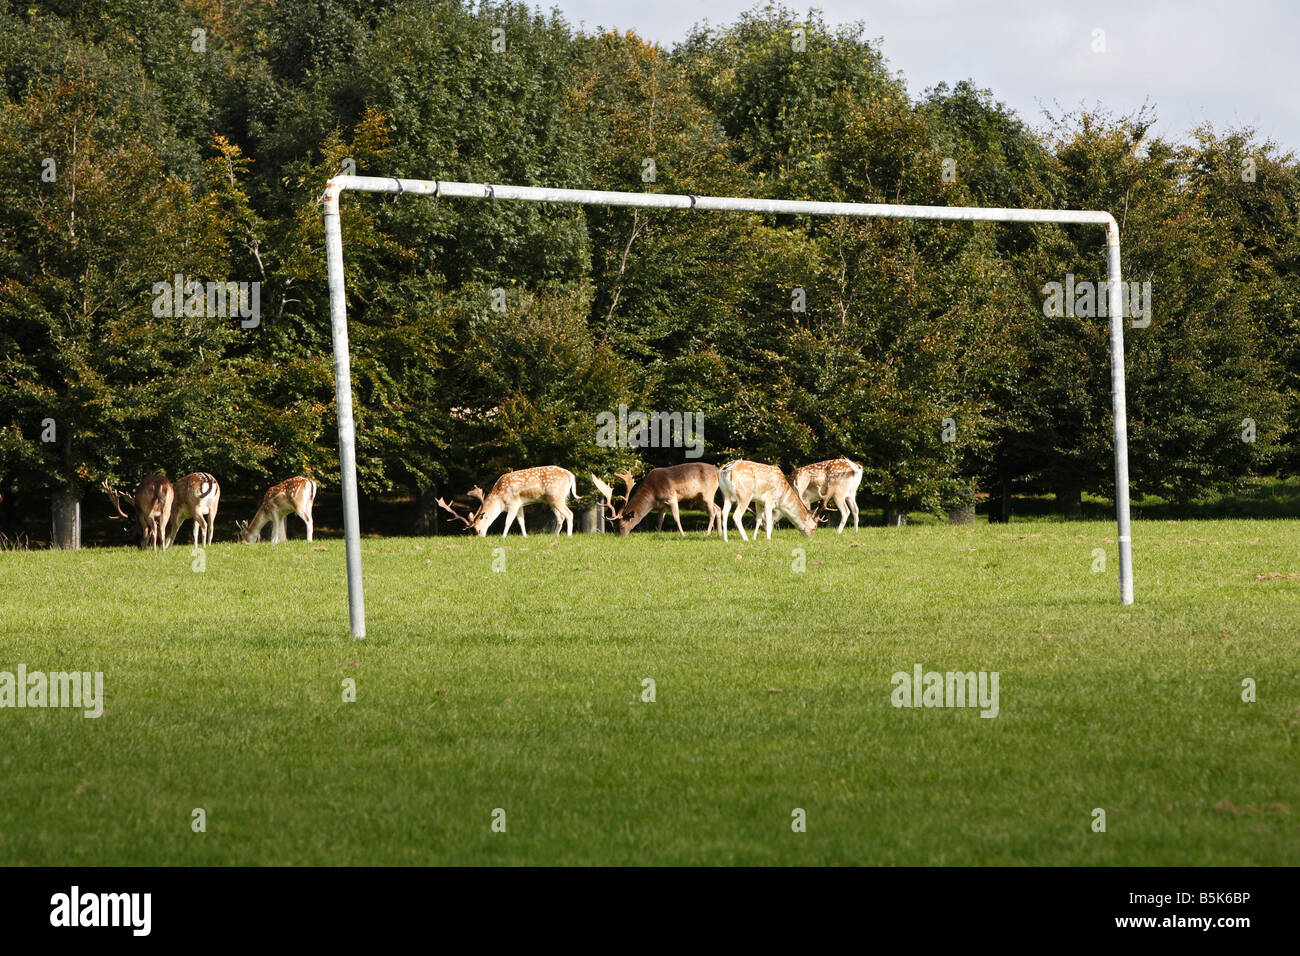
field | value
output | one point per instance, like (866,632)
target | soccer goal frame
(585,197)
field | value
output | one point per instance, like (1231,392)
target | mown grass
(521,690)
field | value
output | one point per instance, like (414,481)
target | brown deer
(744,481)
(197,497)
(835,480)
(293,496)
(545,484)
(662,490)
(153,509)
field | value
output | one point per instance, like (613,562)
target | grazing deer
(836,481)
(662,490)
(743,481)
(197,497)
(153,509)
(294,496)
(547,484)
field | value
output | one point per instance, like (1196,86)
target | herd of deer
(665,489)
(157,502)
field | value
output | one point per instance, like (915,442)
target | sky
(1228,63)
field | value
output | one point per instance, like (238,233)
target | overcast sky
(1231,63)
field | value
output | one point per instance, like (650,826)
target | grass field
(522,690)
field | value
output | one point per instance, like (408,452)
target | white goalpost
(450,190)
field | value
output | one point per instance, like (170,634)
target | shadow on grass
(1270,498)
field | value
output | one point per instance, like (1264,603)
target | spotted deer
(197,497)
(294,496)
(545,484)
(835,480)
(153,509)
(744,481)
(662,490)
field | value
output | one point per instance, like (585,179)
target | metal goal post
(448,190)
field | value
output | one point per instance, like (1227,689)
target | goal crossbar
(590,197)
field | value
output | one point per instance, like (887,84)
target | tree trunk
(962,514)
(65,518)
(1069,499)
(894,518)
(426,511)
(1000,502)
(589,520)
(9,512)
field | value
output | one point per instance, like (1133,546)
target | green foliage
(129,388)
(923,349)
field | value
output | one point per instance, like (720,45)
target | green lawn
(521,690)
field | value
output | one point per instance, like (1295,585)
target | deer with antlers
(835,480)
(662,490)
(153,509)
(293,496)
(545,484)
(744,481)
(197,497)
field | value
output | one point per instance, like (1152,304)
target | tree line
(145,143)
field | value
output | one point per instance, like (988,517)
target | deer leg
(676,517)
(559,518)
(853,503)
(741,507)
(843,508)
(767,517)
(726,513)
(306,519)
(510,519)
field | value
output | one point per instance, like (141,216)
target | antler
(607,493)
(454,513)
(628,480)
(115,496)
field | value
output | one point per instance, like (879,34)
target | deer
(295,495)
(153,509)
(662,490)
(545,484)
(835,480)
(197,497)
(743,481)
